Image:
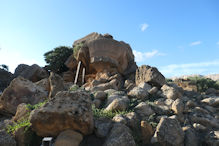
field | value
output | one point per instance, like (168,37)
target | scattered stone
(144,86)
(138,92)
(153,90)
(120,119)
(213,101)
(120,135)
(68,138)
(143,109)
(199,126)
(102,126)
(149,74)
(101,95)
(118,104)
(146,131)
(178,106)
(168,132)
(190,137)
(170,92)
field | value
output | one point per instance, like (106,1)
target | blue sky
(178,37)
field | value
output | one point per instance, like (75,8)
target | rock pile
(119,105)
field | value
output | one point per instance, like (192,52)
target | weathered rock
(138,92)
(102,126)
(120,119)
(22,112)
(33,73)
(100,53)
(190,137)
(212,138)
(153,90)
(100,95)
(120,135)
(143,109)
(56,84)
(171,92)
(69,76)
(97,103)
(19,91)
(44,83)
(68,138)
(25,136)
(146,131)
(149,74)
(199,127)
(213,101)
(67,110)
(6,139)
(132,120)
(168,133)
(178,106)
(144,86)
(71,62)
(118,104)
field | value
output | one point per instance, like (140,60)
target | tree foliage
(204,83)
(57,57)
(5,67)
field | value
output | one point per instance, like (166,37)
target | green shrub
(109,114)
(19,124)
(74,88)
(77,48)
(24,122)
(57,57)
(204,83)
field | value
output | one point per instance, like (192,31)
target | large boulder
(120,135)
(33,73)
(171,92)
(150,75)
(5,79)
(168,133)
(19,91)
(68,138)
(67,110)
(101,52)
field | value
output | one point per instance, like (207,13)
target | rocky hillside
(118,104)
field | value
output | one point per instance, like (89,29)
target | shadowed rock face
(100,53)
(5,79)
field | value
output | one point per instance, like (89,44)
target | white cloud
(195,43)
(142,56)
(189,68)
(144,26)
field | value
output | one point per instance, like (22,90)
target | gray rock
(102,126)
(6,139)
(69,109)
(138,92)
(168,133)
(120,135)
(149,74)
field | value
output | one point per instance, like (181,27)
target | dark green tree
(57,57)
(5,67)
